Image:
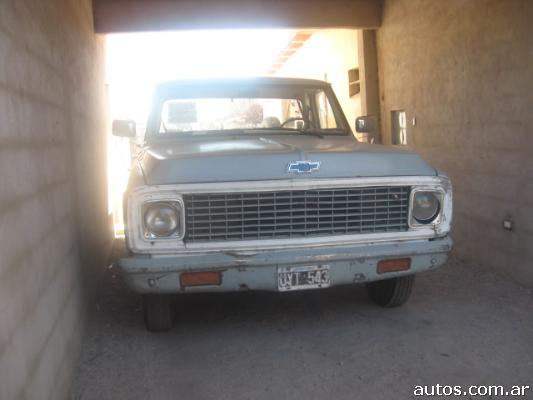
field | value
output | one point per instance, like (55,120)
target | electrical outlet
(508,224)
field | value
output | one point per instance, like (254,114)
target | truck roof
(231,82)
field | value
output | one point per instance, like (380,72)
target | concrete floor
(462,326)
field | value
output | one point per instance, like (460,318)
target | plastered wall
(54,227)
(464,70)
(328,55)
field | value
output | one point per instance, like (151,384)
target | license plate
(300,278)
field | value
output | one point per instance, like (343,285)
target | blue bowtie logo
(300,167)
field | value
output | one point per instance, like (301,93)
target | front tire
(391,292)
(158,312)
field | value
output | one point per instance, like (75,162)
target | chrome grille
(296,213)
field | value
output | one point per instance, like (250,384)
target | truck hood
(224,159)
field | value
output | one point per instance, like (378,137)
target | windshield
(273,109)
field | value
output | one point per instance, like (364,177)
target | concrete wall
(54,232)
(328,55)
(464,70)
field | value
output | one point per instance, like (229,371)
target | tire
(391,292)
(158,312)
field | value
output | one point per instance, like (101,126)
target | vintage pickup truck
(260,184)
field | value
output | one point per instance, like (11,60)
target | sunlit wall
(328,55)
(136,61)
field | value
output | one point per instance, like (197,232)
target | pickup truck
(260,184)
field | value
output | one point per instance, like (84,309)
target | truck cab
(260,184)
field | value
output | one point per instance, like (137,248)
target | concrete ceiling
(152,15)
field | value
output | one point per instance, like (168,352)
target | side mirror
(366,124)
(124,128)
(369,126)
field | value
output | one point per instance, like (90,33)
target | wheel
(158,312)
(391,292)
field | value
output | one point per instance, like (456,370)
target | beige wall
(464,69)
(54,234)
(329,54)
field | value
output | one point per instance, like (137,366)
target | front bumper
(258,270)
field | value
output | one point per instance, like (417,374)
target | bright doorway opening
(135,62)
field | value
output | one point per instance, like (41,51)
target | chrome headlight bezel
(441,223)
(435,219)
(176,206)
(139,240)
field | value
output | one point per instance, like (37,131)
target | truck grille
(295,213)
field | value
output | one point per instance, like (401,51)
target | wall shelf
(354,85)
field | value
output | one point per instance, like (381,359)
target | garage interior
(459,75)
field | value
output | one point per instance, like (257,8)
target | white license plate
(300,278)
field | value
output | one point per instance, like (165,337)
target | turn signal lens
(399,264)
(200,278)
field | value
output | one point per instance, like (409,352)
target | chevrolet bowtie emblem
(300,167)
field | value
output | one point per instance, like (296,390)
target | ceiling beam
(290,50)
(155,15)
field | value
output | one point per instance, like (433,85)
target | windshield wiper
(310,132)
(320,133)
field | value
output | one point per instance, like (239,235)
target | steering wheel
(306,121)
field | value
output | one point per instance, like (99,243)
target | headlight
(426,206)
(161,219)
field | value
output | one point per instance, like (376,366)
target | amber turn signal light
(399,264)
(200,278)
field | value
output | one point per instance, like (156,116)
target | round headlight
(161,219)
(426,207)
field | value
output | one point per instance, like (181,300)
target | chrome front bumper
(248,270)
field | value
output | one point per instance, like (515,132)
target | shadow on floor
(462,326)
